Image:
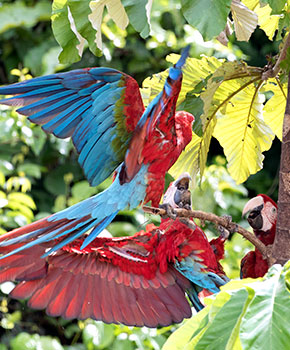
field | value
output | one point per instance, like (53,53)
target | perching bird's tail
(94,214)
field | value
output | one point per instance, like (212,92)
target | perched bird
(139,280)
(262,218)
(101,109)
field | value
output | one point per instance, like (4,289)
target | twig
(231,226)
(272,72)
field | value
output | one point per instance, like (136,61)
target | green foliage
(199,14)
(40,175)
(247,314)
(18,14)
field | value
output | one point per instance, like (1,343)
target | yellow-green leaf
(188,160)
(269,23)
(195,71)
(216,98)
(182,336)
(241,129)
(21,198)
(274,109)
(245,20)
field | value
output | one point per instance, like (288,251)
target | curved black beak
(255,218)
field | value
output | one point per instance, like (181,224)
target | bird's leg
(170,211)
(226,231)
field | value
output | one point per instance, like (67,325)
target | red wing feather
(82,285)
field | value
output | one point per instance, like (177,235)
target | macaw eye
(274,210)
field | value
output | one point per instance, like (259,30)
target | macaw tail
(62,231)
(94,214)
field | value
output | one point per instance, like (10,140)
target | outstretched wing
(82,284)
(163,106)
(97,107)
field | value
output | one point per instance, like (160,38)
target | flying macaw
(262,218)
(101,109)
(138,281)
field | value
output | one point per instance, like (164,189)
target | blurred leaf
(208,16)
(54,181)
(119,228)
(99,334)
(82,190)
(245,20)
(122,344)
(30,169)
(9,320)
(22,198)
(17,14)
(274,109)
(276,5)
(25,341)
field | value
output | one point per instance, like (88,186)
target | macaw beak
(254,207)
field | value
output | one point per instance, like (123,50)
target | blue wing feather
(80,104)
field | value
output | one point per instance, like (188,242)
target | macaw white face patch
(269,213)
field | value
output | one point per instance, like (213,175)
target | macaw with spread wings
(101,109)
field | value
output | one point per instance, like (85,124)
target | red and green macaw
(262,218)
(101,109)
(139,280)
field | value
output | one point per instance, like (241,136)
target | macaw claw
(170,211)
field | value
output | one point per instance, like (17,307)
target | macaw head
(178,194)
(262,217)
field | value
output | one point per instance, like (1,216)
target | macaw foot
(170,211)
(231,228)
(224,233)
(185,206)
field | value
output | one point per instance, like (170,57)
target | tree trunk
(281,247)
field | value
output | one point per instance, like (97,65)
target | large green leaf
(139,15)
(247,314)
(17,14)
(241,129)
(80,12)
(63,32)
(208,16)
(182,336)
(274,109)
(266,324)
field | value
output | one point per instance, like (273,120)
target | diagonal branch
(273,71)
(230,226)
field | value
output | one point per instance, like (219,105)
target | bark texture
(281,247)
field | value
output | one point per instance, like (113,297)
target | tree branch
(272,72)
(223,221)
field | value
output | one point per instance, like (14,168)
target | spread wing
(97,107)
(82,284)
